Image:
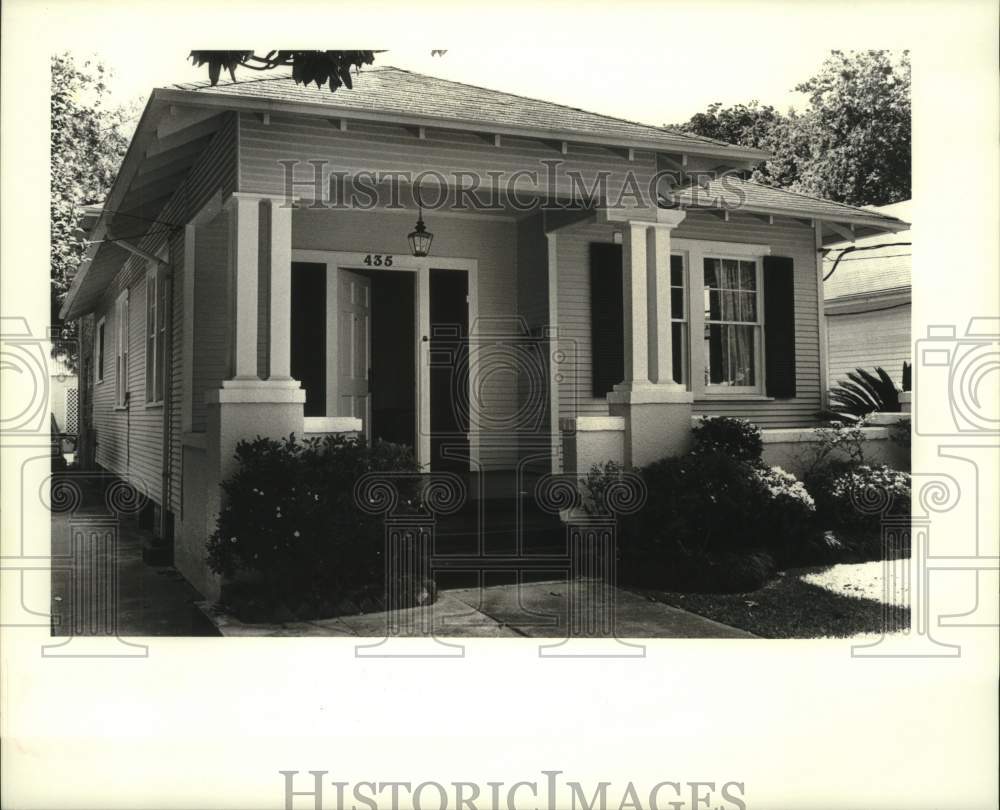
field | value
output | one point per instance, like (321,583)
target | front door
(354,347)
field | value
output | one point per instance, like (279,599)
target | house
(868,302)
(64,406)
(592,285)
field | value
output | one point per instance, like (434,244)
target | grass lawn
(822,601)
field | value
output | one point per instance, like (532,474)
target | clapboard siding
(130,442)
(492,242)
(210,316)
(786,238)
(867,340)
(371,147)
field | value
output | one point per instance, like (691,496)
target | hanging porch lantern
(420,238)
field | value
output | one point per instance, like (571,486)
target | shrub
(862,496)
(737,438)
(595,486)
(836,444)
(291,527)
(706,507)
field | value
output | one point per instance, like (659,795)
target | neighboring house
(64,404)
(221,313)
(868,303)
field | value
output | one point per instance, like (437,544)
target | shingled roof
(873,271)
(394,91)
(730,193)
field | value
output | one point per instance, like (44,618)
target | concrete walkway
(535,610)
(151,600)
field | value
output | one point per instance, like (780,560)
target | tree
(88,142)
(852,142)
(322,67)
(859,110)
(742,124)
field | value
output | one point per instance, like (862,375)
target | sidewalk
(151,601)
(535,610)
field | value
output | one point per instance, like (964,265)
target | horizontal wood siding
(371,147)
(786,238)
(130,442)
(869,339)
(211,314)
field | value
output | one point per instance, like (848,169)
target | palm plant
(863,393)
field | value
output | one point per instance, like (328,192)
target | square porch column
(657,410)
(280,333)
(244,224)
(246,406)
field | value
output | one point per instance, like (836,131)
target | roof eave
(144,133)
(889,225)
(203,98)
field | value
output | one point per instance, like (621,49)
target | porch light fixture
(420,238)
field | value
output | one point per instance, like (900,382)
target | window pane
(729,355)
(712,270)
(748,276)
(677,303)
(678,346)
(731,306)
(160,369)
(100,352)
(676,271)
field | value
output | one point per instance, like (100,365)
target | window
(733,328)
(99,351)
(678,319)
(156,331)
(121,349)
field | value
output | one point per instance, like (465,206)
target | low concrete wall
(193,527)
(590,440)
(790,449)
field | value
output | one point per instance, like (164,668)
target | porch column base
(590,440)
(243,410)
(657,421)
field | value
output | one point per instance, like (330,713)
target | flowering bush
(595,486)
(784,487)
(291,528)
(860,497)
(734,437)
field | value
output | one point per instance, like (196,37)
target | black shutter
(779,326)
(607,325)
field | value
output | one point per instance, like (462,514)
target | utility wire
(854,248)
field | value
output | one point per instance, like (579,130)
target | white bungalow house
(587,302)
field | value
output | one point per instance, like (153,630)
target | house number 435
(378,260)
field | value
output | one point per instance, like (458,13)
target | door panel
(353,346)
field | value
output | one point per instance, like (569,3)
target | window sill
(120,408)
(154,405)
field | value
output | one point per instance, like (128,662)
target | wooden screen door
(354,347)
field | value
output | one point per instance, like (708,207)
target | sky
(650,86)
